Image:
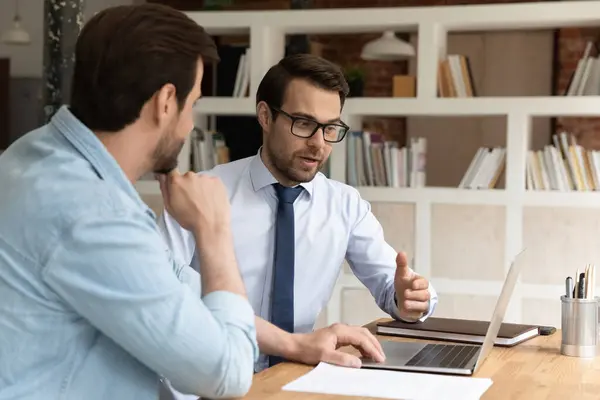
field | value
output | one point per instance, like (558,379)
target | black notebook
(458,330)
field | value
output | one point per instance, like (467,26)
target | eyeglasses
(305,128)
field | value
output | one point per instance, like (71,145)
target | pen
(581,286)
(569,287)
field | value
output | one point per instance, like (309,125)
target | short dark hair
(125,54)
(317,70)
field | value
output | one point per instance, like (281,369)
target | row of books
(242,78)
(485,169)
(564,166)
(373,161)
(208,149)
(585,81)
(455,77)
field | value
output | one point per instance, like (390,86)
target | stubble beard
(166,154)
(291,173)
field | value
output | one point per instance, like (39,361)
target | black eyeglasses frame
(318,126)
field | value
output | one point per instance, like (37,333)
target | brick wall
(571,45)
(344,50)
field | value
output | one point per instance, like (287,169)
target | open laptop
(456,359)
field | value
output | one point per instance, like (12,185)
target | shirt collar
(261,177)
(94,151)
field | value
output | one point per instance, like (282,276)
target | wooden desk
(532,370)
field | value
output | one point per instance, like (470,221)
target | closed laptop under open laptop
(458,359)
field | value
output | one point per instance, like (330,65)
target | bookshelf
(535,106)
(267,31)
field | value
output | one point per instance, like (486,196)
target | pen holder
(579,326)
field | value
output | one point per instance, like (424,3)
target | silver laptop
(456,359)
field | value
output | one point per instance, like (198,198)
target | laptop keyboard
(443,355)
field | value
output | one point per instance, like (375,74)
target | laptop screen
(500,309)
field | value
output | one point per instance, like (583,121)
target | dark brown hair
(125,54)
(317,70)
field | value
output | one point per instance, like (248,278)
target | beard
(166,154)
(292,169)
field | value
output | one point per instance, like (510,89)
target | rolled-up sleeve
(372,259)
(113,270)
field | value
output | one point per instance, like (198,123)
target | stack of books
(373,161)
(566,166)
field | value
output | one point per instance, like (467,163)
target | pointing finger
(374,341)
(173,174)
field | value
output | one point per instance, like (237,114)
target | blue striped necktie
(282,294)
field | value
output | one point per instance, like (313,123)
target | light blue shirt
(92,305)
(332,223)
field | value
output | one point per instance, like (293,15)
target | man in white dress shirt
(293,227)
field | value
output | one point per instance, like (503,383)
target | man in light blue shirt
(293,227)
(92,305)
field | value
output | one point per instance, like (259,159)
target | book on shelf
(208,149)
(373,161)
(585,81)
(455,77)
(242,78)
(564,166)
(485,169)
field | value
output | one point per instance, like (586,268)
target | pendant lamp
(16,34)
(388,47)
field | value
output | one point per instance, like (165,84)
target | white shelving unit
(267,30)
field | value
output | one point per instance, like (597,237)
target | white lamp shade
(16,34)
(387,48)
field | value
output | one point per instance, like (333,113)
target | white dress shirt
(332,223)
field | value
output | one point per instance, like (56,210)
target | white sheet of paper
(331,379)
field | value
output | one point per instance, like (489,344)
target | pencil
(586,280)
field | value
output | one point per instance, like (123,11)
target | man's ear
(263,113)
(165,104)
